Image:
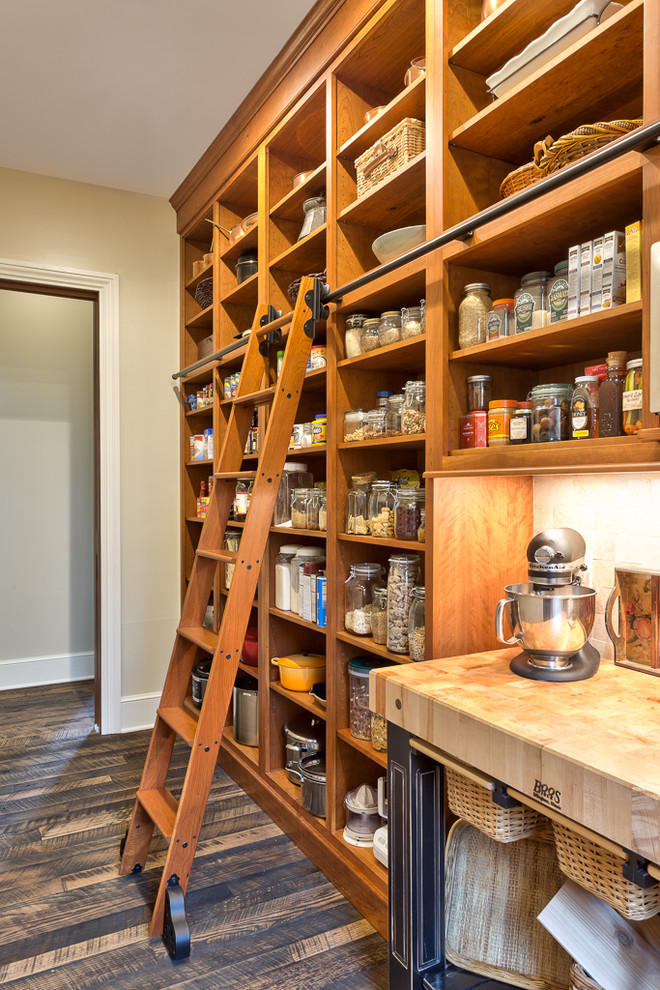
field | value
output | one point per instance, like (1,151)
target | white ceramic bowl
(395,242)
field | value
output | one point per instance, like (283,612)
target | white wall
(619,517)
(72,225)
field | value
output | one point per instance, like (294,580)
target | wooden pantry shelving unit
(307,116)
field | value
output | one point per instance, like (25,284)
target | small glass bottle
(402,577)
(242,500)
(611,395)
(520,424)
(416,624)
(379,615)
(584,408)
(408,505)
(393,426)
(389,328)
(381,509)
(473,314)
(369,340)
(382,398)
(632,398)
(413,417)
(358,597)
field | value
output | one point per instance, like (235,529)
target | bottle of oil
(611,395)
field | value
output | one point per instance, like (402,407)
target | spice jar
(403,576)
(479,389)
(374,425)
(501,319)
(551,412)
(473,314)
(315,215)
(283,576)
(413,417)
(358,597)
(299,507)
(379,615)
(232,542)
(413,321)
(558,293)
(520,424)
(532,302)
(632,398)
(353,334)
(357,504)
(358,687)
(354,425)
(499,415)
(393,418)
(584,408)
(389,328)
(416,624)
(381,506)
(369,339)
(610,396)
(408,505)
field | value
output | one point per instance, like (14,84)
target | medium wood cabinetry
(478,503)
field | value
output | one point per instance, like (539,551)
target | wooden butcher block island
(587,751)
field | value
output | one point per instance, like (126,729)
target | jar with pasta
(473,314)
(357,504)
(413,417)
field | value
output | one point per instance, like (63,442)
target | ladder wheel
(176,934)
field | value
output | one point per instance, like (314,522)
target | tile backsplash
(619,517)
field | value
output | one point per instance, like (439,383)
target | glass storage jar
(232,542)
(294,475)
(379,615)
(610,396)
(520,424)
(323,509)
(416,623)
(358,597)
(312,507)
(383,398)
(558,293)
(357,504)
(389,328)
(381,506)
(413,416)
(421,531)
(369,340)
(306,438)
(408,505)
(354,425)
(299,507)
(479,390)
(315,215)
(501,319)
(413,321)
(551,412)
(532,302)
(374,424)
(358,688)
(353,334)
(283,576)
(302,556)
(473,314)
(393,418)
(632,398)
(402,577)
(378,732)
(584,408)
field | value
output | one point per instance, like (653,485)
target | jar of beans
(381,509)
(402,577)
(408,505)
(379,616)
(413,417)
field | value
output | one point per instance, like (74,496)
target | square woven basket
(599,871)
(474,803)
(394,150)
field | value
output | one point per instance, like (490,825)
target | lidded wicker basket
(394,150)
(474,803)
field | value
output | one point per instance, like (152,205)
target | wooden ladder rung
(278,324)
(182,721)
(228,556)
(200,636)
(256,398)
(161,806)
(235,475)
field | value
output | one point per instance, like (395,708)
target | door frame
(108,635)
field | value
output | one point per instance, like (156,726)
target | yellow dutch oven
(299,671)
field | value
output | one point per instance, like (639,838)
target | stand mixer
(553,615)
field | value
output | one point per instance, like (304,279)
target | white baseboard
(138,711)
(36,671)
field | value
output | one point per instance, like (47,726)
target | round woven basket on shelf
(581,980)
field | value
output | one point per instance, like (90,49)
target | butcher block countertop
(587,749)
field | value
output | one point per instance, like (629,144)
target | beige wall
(72,225)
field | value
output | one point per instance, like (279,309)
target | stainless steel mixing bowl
(550,624)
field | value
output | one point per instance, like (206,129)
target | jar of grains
(381,506)
(369,340)
(389,328)
(479,389)
(408,505)
(323,509)
(358,597)
(403,576)
(413,321)
(379,615)
(632,398)
(473,314)
(354,425)
(416,619)
(532,302)
(353,334)
(357,503)
(413,417)
(374,425)
(299,507)
(312,507)
(501,319)
(393,418)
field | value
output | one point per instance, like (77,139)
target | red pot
(251,647)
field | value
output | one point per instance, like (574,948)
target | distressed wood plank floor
(261,915)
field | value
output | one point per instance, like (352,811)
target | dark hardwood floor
(261,915)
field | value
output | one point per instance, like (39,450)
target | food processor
(553,615)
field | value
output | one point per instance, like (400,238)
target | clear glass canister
(393,418)
(532,302)
(312,508)
(295,475)
(520,424)
(358,686)
(374,425)
(413,417)
(632,398)
(479,390)
(501,319)
(551,412)
(353,334)
(416,624)
(499,416)
(383,398)
(379,615)
(315,215)
(421,531)
(323,509)
(283,576)
(232,542)
(558,293)
(354,425)
(358,597)
(369,339)
(357,503)
(303,555)
(413,321)
(299,507)
(381,509)
(306,438)
(389,328)
(408,505)
(584,408)
(402,578)
(473,314)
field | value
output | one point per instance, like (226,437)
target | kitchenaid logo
(548,795)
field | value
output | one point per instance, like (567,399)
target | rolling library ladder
(180,821)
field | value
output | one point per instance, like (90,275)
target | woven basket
(394,150)
(581,980)
(493,893)
(473,803)
(599,872)
(294,287)
(204,292)
(550,156)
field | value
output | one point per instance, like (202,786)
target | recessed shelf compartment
(365,644)
(293,617)
(244,293)
(206,272)
(411,102)
(301,698)
(398,201)
(414,441)
(245,244)
(307,254)
(250,753)
(362,746)
(404,355)
(290,206)
(202,321)
(196,413)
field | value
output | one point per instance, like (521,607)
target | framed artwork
(635,635)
